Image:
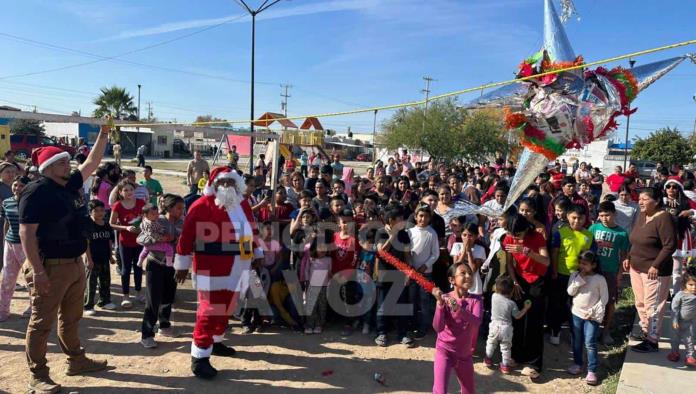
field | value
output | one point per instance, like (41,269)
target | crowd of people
(555,259)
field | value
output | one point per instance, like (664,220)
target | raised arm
(96,154)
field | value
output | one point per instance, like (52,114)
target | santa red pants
(214,309)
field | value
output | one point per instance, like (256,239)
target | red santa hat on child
(223,173)
(47,155)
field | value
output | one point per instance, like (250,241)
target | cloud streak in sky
(275,13)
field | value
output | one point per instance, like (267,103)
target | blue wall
(89,132)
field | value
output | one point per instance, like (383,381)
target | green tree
(210,118)
(447,131)
(665,145)
(115,101)
(24,126)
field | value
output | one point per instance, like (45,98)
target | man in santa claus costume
(218,241)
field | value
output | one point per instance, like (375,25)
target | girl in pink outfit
(457,317)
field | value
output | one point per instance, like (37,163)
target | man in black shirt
(52,217)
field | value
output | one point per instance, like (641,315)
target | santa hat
(223,173)
(675,182)
(47,155)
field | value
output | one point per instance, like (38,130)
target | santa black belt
(225,249)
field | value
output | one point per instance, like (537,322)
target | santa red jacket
(220,245)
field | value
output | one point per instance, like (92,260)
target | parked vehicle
(24,144)
(645,168)
(180,148)
(363,157)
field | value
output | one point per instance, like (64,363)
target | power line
(101,58)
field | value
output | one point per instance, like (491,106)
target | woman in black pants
(161,284)
(527,247)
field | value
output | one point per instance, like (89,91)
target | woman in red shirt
(527,248)
(125,219)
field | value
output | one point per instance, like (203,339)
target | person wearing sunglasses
(682,210)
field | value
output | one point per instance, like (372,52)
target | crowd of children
(554,259)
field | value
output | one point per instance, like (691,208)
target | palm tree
(116,102)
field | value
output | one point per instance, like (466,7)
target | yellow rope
(441,96)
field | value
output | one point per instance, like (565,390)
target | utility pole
(139,86)
(149,111)
(427,80)
(285,96)
(137,130)
(253,12)
(374,135)
(631,62)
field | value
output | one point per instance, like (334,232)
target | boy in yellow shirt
(566,245)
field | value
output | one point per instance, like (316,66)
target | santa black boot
(219,349)
(201,368)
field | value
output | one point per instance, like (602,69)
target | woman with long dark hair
(527,248)
(680,207)
(107,176)
(653,241)
(161,284)
(125,215)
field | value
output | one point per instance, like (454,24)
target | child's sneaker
(673,356)
(591,379)
(89,312)
(317,330)
(488,362)
(408,342)
(418,335)
(148,343)
(126,303)
(691,362)
(504,369)
(308,331)
(167,332)
(381,340)
(574,369)
(109,307)
(247,330)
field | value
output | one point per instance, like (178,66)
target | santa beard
(227,197)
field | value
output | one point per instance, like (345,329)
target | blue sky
(338,54)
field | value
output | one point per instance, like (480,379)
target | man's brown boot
(43,385)
(85,365)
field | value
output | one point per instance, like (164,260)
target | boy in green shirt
(153,186)
(612,248)
(566,245)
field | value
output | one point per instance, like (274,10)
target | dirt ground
(277,360)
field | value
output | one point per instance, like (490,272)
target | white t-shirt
(479,254)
